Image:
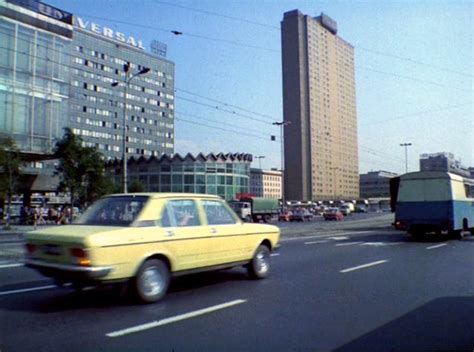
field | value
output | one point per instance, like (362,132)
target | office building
(321,157)
(265,183)
(442,162)
(57,70)
(35,41)
(97,58)
(375,184)
(225,175)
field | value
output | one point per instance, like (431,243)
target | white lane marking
(315,242)
(382,244)
(437,246)
(339,238)
(348,244)
(174,319)
(328,235)
(4,293)
(4,266)
(363,266)
(274,254)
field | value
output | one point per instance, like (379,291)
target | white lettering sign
(108,32)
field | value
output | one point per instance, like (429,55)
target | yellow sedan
(146,238)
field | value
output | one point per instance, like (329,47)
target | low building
(375,184)
(442,162)
(265,183)
(221,174)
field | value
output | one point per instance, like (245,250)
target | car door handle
(213,230)
(169,233)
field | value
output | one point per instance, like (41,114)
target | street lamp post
(334,169)
(126,83)
(282,125)
(260,157)
(406,145)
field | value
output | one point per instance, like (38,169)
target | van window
(424,190)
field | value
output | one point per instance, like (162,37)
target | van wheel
(259,267)
(152,281)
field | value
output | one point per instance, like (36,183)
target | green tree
(10,162)
(81,170)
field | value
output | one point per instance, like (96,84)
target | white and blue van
(433,201)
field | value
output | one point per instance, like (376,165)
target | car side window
(217,213)
(180,213)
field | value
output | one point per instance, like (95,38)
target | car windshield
(113,211)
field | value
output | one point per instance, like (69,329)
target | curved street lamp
(126,83)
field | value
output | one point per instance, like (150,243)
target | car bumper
(66,271)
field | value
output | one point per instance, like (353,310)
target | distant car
(345,210)
(301,215)
(333,214)
(144,239)
(360,209)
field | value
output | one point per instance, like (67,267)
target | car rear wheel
(259,267)
(152,281)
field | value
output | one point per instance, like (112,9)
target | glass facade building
(35,42)
(221,174)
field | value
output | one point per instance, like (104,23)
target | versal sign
(108,32)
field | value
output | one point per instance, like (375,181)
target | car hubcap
(262,262)
(151,283)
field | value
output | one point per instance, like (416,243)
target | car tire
(152,281)
(259,266)
(248,218)
(267,218)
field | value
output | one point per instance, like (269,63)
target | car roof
(163,195)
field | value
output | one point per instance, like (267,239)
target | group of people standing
(40,216)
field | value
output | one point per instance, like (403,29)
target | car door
(184,235)
(229,240)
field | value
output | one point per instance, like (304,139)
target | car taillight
(30,248)
(80,255)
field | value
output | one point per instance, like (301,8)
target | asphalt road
(343,290)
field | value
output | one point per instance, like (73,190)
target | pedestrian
(40,217)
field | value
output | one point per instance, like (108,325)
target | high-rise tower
(321,156)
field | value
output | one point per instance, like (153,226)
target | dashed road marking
(4,266)
(274,254)
(363,266)
(4,293)
(348,244)
(176,318)
(316,242)
(339,238)
(437,246)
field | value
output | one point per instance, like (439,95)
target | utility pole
(260,157)
(406,145)
(282,125)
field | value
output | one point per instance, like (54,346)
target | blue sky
(414,71)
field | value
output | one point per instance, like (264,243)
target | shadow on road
(444,324)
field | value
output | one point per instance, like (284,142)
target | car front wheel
(152,281)
(259,267)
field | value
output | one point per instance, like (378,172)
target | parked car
(333,214)
(144,239)
(301,215)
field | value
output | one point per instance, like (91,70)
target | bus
(433,202)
